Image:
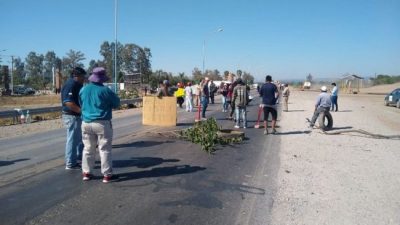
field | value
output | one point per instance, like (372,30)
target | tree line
(37,69)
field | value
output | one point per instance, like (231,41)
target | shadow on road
(294,132)
(342,128)
(7,163)
(343,111)
(140,162)
(159,172)
(296,110)
(141,144)
(206,193)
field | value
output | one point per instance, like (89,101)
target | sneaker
(265,132)
(86,176)
(237,127)
(109,178)
(244,127)
(274,131)
(73,167)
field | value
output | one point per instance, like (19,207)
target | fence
(15,114)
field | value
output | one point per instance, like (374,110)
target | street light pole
(204,48)
(115,46)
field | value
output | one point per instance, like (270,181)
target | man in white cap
(323,104)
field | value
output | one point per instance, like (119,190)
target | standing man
(323,104)
(230,93)
(334,97)
(71,117)
(205,94)
(240,97)
(189,97)
(213,90)
(196,91)
(269,94)
(97,103)
(285,94)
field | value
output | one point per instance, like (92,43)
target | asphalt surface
(161,180)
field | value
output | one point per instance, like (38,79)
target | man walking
(240,97)
(323,104)
(71,117)
(334,97)
(189,97)
(213,89)
(269,94)
(285,94)
(97,103)
(205,94)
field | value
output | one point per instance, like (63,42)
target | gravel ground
(348,178)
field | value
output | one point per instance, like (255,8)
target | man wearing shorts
(269,94)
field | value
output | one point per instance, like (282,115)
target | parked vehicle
(307,85)
(21,90)
(393,98)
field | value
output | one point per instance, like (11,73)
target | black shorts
(271,110)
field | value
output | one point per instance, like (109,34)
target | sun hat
(98,75)
(323,88)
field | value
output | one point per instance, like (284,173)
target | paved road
(162,180)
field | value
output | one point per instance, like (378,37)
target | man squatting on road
(323,104)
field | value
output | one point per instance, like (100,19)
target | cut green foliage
(208,134)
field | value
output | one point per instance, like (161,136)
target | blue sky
(287,39)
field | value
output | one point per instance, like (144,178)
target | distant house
(351,84)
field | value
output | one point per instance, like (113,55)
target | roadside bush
(385,79)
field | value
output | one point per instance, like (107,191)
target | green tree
(72,60)
(226,74)
(197,75)
(50,63)
(239,73)
(19,71)
(34,69)
(309,77)
(248,78)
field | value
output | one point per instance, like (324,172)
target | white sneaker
(237,127)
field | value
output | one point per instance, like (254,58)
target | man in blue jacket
(269,94)
(71,116)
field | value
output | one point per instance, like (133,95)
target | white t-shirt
(188,91)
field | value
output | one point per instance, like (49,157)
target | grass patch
(35,118)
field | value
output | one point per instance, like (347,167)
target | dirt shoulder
(46,125)
(348,178)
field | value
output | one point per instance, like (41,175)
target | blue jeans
(334,102)
(204,104)
(241,111)
(224,104)
(74,145)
